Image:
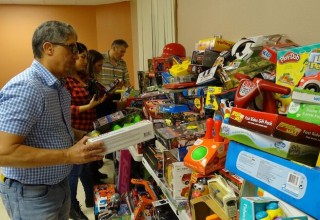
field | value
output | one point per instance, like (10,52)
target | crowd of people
(46,115)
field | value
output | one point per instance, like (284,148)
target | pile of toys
(262,92)
(248,108)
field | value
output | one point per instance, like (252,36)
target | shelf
(174,204)
(134,153)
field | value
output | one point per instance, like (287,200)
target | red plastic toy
(249,89)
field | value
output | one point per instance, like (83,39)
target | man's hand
(83,152)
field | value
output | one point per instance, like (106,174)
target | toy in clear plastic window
(151,109)
(108,202)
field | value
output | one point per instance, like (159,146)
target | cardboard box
(293,183)
(271,52)
(206,155)
(211,99)
(293,62)
(281,148)
(253,120)
(233,180)
(154,157)
(313,64)
(203,206)
(180,136)
(249,206)
(289,210)
(305,96)
(291,66)
(214,43)
(151,109)
(304,112)
(125,137)
(177,175)
(276,125)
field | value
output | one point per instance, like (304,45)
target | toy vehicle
(221,192)
(310,82)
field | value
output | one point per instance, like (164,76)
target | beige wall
(95,26)
(235,19)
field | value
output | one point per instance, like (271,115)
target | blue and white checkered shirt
(35,104)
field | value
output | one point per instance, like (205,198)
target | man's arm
(15,154)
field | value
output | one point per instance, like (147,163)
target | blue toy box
(293,183)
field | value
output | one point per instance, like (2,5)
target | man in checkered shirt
(37,147)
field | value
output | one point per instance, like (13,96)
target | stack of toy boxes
(291,182)
(277,135)
(291,66)
(305,105)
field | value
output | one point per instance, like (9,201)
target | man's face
(119,52)
(64,57)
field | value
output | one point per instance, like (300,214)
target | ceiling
(60,2)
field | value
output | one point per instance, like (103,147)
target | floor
(108,168)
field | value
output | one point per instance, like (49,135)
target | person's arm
(92,104)
(15,154)
(126,77)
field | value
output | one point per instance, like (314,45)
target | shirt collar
(47,76)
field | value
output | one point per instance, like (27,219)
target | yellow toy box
(291,67)
(214,43)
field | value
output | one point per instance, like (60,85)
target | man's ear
(48,48)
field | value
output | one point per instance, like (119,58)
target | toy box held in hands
(126,136)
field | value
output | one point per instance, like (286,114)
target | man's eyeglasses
(72,47)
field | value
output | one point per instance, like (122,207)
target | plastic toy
(310,82)
(272,212)
(221,192)
(174,49)
(249,89)
(207,155)
(200,188)
(242,49)
(143,202)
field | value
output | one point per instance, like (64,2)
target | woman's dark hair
(93,86)
(93,57)
(81,47)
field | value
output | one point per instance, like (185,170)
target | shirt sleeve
(21,105)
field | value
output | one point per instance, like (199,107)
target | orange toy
(145,201)
(207,155)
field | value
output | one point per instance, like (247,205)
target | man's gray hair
(50,31)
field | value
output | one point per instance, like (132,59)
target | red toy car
(310,82)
